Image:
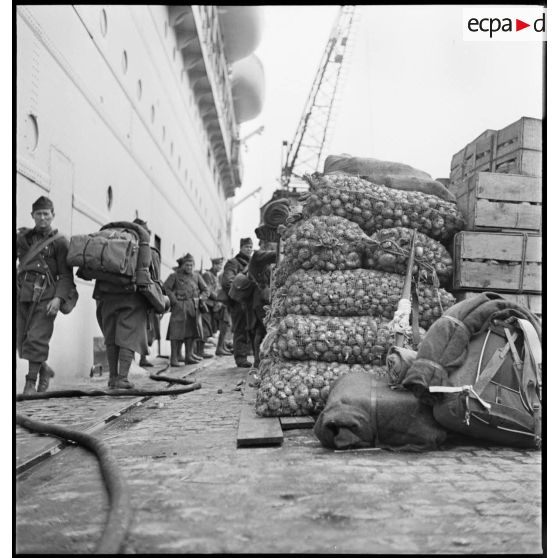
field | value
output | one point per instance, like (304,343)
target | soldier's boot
(201,350)
(112,358)
(29,388)
(46,373)
(144,363)
(125,358)
(31,378)
(190,359)
(175,348)
(221,349)
(195,348)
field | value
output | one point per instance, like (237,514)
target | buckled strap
(458,322)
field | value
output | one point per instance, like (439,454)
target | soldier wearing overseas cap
(238,264)
(220,319)
(44,282)
(186,290)
(153,319)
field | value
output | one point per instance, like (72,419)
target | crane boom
(306,152)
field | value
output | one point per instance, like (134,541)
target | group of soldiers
(199,302)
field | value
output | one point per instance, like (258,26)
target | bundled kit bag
(479,367)
(363,411)
(241,288)
(387,173)
(119,255)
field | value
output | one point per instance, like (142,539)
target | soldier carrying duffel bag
(127,285)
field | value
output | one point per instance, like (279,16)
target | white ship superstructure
(126,111)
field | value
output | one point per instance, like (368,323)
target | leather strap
(493,365)
(36,249)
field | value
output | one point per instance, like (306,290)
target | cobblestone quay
(193,491)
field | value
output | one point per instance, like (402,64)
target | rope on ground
(110,392)
(120,513)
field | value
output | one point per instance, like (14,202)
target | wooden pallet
(497,202)
(256,431)
(497,261)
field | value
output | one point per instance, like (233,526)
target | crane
(307,150)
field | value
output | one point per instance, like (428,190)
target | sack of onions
(389,251)
(350,340)
(300,388)
(374,207)
(358,292)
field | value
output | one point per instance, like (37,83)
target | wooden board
(520,161)
(525,133)
(257,431)
(497,261)
(292,423)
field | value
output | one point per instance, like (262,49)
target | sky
(415,92)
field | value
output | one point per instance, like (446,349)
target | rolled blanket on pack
(275,212)
(362,411)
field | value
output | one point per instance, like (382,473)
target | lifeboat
(241,29)
(248,88)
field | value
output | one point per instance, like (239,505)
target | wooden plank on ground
(291,423)
(257,431)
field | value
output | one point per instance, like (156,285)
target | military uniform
(42,277)
(237,310)
(48,267)
(260,272)
(220,320)
(185,291)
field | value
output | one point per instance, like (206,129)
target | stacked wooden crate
(497,182)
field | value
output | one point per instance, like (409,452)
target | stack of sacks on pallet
(329,314)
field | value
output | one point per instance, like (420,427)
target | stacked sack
(339,284)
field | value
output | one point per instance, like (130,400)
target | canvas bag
(496,394)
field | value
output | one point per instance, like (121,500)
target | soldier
(122,316)
(237,310)
(220,320)
(186,289)
(259,270)
(153,319)
(44,282)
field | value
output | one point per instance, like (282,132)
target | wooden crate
(515,149)
(497,261)
(495,201)
(526,133)
(531,301)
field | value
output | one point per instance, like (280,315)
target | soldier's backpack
(242,288)
(496,394)
(109,254)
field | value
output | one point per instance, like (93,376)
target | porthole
(152,114)
(139,89)
(109,197)
(124,61)
(164,133)
(173,250)
(31,134)
(103,23)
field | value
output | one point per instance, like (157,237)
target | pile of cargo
(497,183)
(338,286)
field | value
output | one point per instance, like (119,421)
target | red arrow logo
(519,25)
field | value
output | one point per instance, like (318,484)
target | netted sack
(290,388)
(280,273)
(387,173)
(324,242)
(389,251)
(359,292)
(351,340)
(375,207)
